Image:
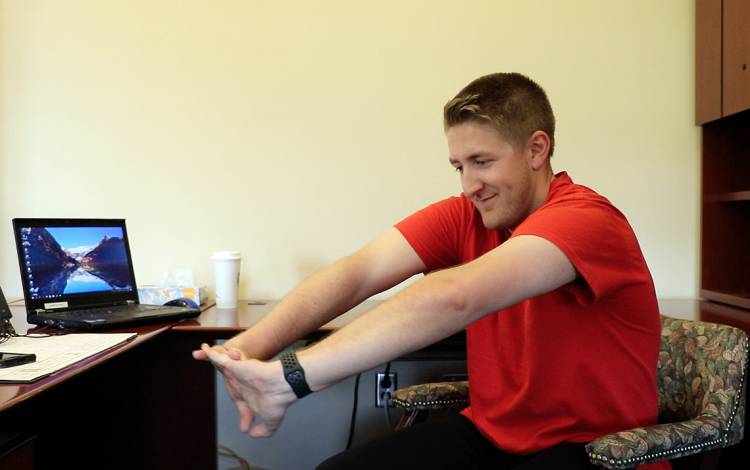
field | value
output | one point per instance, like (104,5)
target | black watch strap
(295,374)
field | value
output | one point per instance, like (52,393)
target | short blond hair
(512,103)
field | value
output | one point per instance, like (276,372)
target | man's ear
(538,147)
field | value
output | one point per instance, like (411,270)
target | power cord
(7,332)
(385,383)
(354,412)
(6,327)
(386,398)
(225,451)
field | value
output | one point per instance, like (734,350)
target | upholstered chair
(701,378)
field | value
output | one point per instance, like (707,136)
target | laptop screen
(74,262)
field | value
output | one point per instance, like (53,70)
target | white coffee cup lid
(222,255)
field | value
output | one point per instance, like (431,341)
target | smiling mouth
(483,200)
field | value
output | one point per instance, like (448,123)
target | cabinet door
(707,60)
(736,66)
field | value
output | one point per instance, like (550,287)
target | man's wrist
(231,346)
(232,343)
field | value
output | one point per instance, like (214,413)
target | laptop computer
(78,273)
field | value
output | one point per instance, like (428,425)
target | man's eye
(459,169)
(480,162)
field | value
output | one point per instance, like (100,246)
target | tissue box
(158,295)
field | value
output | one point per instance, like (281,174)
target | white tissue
(178,277)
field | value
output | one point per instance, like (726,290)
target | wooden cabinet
(722,58)
(725,115)
(736,56)
(707,60)
(725,225)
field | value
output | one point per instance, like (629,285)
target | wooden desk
(147,404)
(223,321)
(143,404)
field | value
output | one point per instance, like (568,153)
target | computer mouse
(183,302)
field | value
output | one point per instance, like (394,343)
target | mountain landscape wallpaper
(75,260)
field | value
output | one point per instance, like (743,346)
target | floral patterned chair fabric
(701,377)
(418,399)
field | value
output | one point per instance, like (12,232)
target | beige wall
(295,131)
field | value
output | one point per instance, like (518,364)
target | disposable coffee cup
(226,277)
(227,317)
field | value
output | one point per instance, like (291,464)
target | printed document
(54,353)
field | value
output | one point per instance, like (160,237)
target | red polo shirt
(570,365)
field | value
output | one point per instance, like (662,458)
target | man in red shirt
(545,275)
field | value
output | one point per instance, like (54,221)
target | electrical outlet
(380,391)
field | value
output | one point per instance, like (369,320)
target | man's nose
(471,184)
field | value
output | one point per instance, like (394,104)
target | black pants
(450,443)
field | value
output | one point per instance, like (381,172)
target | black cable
(354,412)
(386,398)
(7,332)
(386,382)
(225,451)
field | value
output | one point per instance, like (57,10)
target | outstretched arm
(437,306)
(383,263)
(433,308)
(380,265)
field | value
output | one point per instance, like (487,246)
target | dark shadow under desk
(144,404)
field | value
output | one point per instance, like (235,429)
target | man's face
(494,175)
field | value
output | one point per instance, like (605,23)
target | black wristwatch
(294,374)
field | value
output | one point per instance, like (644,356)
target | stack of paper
(54,353)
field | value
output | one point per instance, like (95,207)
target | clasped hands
(257,388)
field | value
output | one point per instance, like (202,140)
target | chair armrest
(432,396)
(638,446)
